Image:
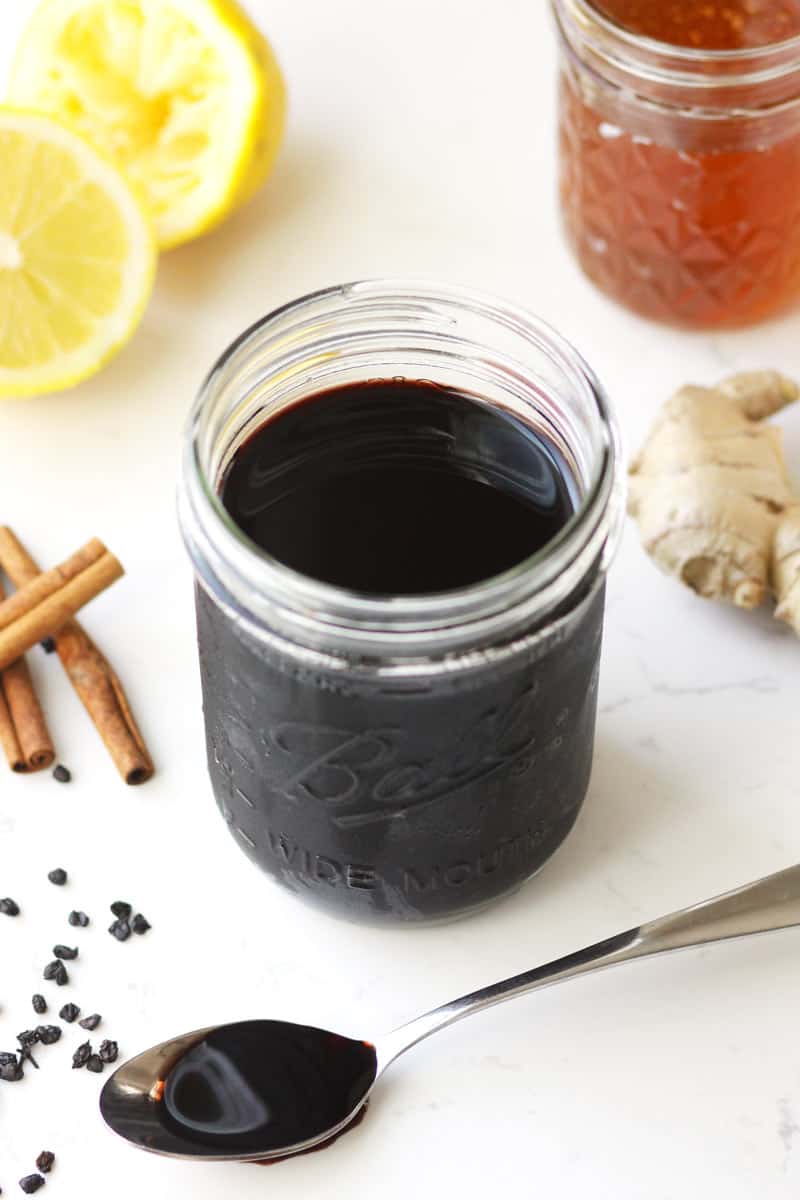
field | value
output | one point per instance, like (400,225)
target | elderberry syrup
(398,487)
(257,1087)
(401,503)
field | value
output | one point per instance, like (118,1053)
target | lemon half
(77,256)
(185,95)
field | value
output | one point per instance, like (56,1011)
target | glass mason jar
(406,757)
(680,171)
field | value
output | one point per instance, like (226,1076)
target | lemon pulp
(185,95)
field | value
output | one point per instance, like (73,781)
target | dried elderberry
(48,1034)
(91,1022)
(9,907)
(62,774)
(121,930)
(39,1004)
(65,952)
(31,1184)
(44,1162)
(48,645)
(121,909)
(70,1013)
(78,918)
(108,1051)
(58,876)
(140,924)
(11,1072)
(95,1064)
(57,972)
(27,1039)
(81,1056)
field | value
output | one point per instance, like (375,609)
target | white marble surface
(421,141)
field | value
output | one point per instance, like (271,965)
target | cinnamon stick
(8,737)
(23,730)
(44,605)
(91,675)
(27,717)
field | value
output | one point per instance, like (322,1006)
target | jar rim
(212,535)
(659,61)
(692,54)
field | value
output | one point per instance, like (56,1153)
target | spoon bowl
(260,1091)
(248,1091)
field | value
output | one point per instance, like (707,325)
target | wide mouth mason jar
(406,757)
(680,166)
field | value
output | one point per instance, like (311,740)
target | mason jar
(680,170)
(401,757)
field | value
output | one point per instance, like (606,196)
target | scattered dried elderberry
(31,1184)
(62,774)
(39,1004)
(121,930)
(9,907)
(57,972)
(95,1064)
(121,909)
(48,645)
(44,1162)
(91,1022)
(6,1058)
(27,1039)
(11,1072)
(78,918)
(140,924)
(58,876)
(65,952)
(81,1056)
(108,1051)
(48,1034)
(70,1013)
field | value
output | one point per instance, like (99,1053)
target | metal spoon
(132,1102)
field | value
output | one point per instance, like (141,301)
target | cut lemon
(185,95)
(77,256)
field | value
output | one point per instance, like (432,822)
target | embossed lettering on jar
(401,502)
(680,154)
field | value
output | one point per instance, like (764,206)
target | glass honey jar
(680,154)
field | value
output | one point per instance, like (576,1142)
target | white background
(421,142)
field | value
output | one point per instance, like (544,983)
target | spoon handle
(768,904)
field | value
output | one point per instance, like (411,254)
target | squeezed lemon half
(77,256)
(185,95)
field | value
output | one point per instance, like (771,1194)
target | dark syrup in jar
(261,1086)
(416,796)
(396,488)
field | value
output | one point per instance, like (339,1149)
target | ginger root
(786,568)
(712,495)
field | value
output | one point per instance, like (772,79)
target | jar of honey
(680,154)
